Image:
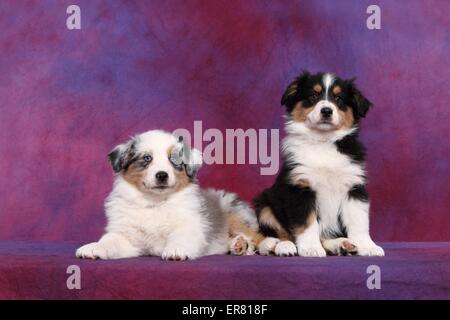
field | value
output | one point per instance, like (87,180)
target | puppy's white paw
(267,246)
(241,245)
(311,251)
(285,248)
(92,250)
(176,254)
(366,247)
(370,250)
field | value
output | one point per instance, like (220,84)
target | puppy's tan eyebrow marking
(317,88)
(337,90)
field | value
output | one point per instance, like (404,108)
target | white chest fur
(328,172)
(147,225)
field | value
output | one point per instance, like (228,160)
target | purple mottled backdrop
(67,97)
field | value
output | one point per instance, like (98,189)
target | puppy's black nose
(161,176)
(326,112)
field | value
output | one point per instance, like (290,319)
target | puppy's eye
(147,158)
(338,99)
(313,97)
(176,161)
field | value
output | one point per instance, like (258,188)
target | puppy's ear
(291,95)
(360,103)
(177,153)
(122,155)
(183,155)
(193,163)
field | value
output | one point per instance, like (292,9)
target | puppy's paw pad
(286,249)
(348,248)
(176,258)
(175,254)
(311,252)
(239,245)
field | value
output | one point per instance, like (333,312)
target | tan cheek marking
(169,151)
(337,90)
(267,218)
(347,120)
(312,217)
(317,88)
(299,113)
(236,226)
(134,175)
(181,179)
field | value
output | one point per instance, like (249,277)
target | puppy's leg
(277,239)
(242,236)
(355,217)
(110,246)
(307,238)
(339,246)
(187,241)
(241,224)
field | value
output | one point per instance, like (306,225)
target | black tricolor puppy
(319,202)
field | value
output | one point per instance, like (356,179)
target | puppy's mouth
(157,188)
(325,125)
(160,187)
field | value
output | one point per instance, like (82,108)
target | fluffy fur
(319,203)
(156,207)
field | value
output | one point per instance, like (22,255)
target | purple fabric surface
(409,271)
(68,97)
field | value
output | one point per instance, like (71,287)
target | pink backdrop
(68,97)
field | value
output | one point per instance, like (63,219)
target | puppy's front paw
(267,246)
(176,254)
(366,247)
(92,250)
(241,245)
(311,251)
(285,248)
(370,250)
